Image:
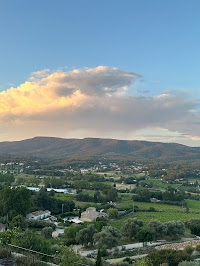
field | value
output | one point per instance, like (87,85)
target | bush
(172,257)
(123,263)
(47,232)
(40,224)
(188,249)
(4,253)
(198,247)
(28,261)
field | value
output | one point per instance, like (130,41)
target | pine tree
(98,261)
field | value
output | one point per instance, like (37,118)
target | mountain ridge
(61,148)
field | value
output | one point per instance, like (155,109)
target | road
(84,253)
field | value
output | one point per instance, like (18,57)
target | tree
(15,201)
(145,236)
(18,222)
(172,257)
(98,261)
(155,227)
(68,256)
(131,227)
(195,229)
(143,262)
(7,236)
(70,234)
(189,249)
(85,236)
(28,239)
(112,213)
(174,229)
(47,232)
(107,238)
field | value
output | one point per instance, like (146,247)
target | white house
(38,215)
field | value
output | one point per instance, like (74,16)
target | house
(154,200)
(2,227)
(38,215)
(91,214)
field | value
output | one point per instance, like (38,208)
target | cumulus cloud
(91,102)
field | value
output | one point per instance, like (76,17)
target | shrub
(40,224)
(28,261)
(188,249)
(198,247)
(4,253)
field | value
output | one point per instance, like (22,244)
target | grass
(193,205)
(147,205)
(88,192)
(158,183)
(85,205)
(65,196)
(146,217)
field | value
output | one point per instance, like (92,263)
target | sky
(110,68)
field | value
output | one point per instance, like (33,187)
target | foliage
(70,234)
(112,213)
(145,236)
(198,247)
(42,200)
(98,261)
(68,256)
(15,201)
(188,249)
(6,179)
(4,253)
(123,263)
(55,248)
(195,229)
(172,257)
(19,222)
(107,238)
(28,261)
(131,227)
(28,239)
(85,236)
(143,262)
(155,227)
(7,236)
(47,232)
(174,229)
(40,224)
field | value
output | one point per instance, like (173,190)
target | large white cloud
(90,102)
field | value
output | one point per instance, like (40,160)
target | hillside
(59,148)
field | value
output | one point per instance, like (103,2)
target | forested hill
(60,148)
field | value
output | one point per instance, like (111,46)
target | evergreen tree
(98,261)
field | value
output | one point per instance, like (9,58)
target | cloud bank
(91,102)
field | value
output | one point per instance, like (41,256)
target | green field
(157,183)
(62,196)
(147,205)
(125,196)
(161,216)
(88,192)
(193,205)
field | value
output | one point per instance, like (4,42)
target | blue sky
(158,40)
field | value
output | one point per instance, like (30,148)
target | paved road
(128,246)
